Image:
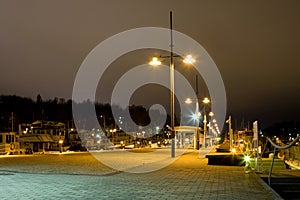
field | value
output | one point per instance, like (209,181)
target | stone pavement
(189,177)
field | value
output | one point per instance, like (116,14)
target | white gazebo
(188,136)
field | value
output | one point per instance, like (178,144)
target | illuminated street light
(189,59)
(206,100)
(195,116)
(247,158)
(211,114)
(188,101)
(156,62)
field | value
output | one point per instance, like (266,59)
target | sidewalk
(189,177)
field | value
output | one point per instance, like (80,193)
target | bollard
(173,148)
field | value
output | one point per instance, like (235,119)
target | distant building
(41,136)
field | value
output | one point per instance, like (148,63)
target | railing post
(271,167)
(279,147)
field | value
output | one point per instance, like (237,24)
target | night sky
(255,45)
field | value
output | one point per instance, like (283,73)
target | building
(189,136)
(41,136)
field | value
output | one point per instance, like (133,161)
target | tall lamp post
(172,84)
(205,101)
(155,62)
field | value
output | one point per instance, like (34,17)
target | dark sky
(255,45)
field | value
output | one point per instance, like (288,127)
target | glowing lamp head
(188,101)
(155,62)
(189,59)
(246,158)
(195,116)
(206,100)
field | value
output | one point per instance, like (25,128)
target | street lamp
(210,114)
(205,101)
(188,101)
(188,59)
(197,114)
(155,62)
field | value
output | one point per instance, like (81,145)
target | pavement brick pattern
(189,177)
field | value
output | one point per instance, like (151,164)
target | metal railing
(280,148)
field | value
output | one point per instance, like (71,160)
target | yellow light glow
(188,101)
(155,62)
(189,59)
(206,100)
(247,158)
(233,150)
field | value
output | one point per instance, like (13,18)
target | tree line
(15,110)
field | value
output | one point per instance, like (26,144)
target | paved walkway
(189,177)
